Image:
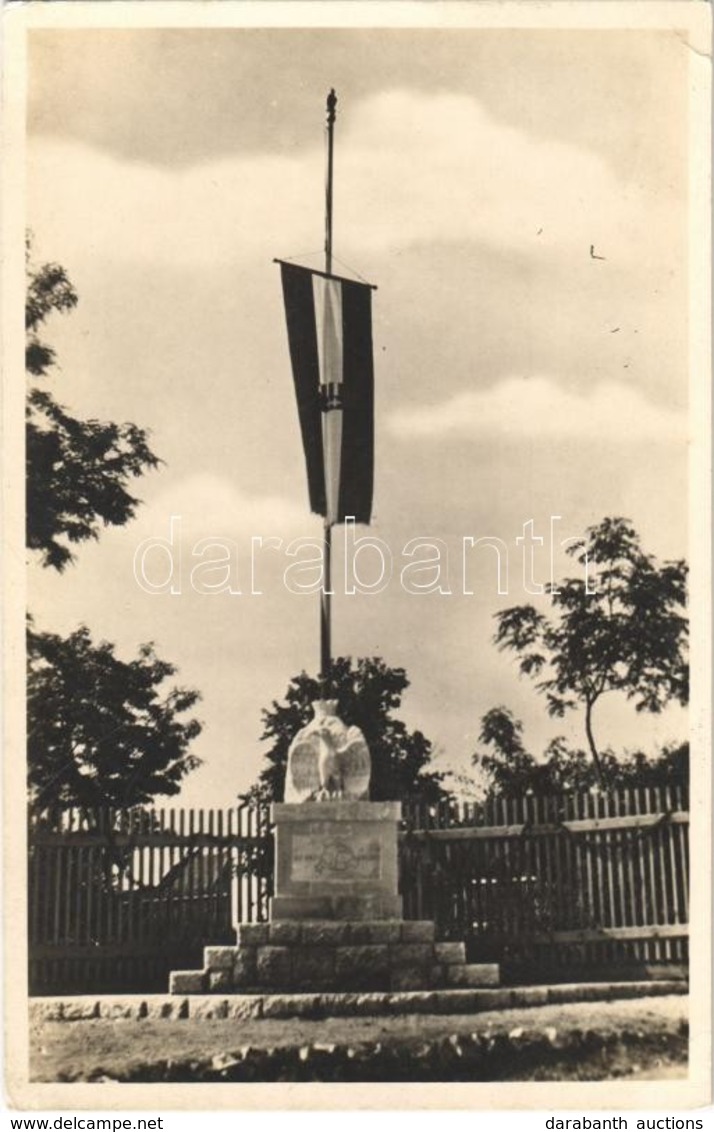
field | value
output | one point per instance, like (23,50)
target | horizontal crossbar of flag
(329,321)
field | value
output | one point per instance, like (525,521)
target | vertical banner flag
(329,322)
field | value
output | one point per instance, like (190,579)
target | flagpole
(326,595)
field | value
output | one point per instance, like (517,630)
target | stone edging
(174,1007)
(522,1053)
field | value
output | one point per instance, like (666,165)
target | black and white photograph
(357,542)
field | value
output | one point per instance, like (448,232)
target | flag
(329,322)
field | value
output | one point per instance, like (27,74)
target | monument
(335,852)
(335,917)
(335,921)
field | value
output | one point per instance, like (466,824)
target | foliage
(629,635)
(511,769)
(77,471)
(102,731)
(368,692)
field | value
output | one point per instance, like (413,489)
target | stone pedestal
(336,861)
(336,917)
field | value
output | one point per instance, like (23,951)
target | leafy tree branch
(628,636)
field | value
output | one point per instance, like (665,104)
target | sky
(517,376)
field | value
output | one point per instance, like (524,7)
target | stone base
(335,919)
(334,955)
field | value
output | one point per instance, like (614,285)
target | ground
(643,1038)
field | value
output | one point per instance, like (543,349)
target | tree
(77,471)
(511,769)
(102,731)
(368,693)
(508,764)
(628,636)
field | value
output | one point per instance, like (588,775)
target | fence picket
(671,871)
(609,845)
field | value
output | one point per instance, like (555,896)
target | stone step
(333,933)
(400,978)
(472,975)
(317,966)
(188,982)
(450,953)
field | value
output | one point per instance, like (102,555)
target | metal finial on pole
(331,115)
(326,596)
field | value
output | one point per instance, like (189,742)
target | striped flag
(329,323)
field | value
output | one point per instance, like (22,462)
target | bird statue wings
(327,760)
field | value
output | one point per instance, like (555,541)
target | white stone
(327,759)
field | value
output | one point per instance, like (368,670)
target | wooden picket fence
(594,881)
(119,898)
(544,885)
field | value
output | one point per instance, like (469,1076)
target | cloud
(411,168)
(521,407)
(211,507)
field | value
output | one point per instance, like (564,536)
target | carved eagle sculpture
(327,760)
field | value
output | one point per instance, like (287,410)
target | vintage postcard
(357,541)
